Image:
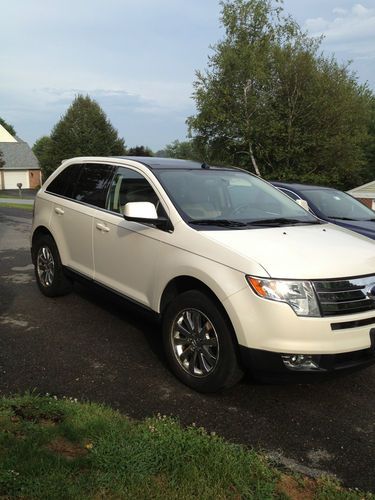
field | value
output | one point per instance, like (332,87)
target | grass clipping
(53,448)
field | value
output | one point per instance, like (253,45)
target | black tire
(49,271)
(205,361)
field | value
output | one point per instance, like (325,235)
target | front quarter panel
(191,254)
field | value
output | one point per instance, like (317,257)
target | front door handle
(102,227)
(59,211)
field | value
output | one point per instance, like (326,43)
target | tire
(49,271)
(199,344)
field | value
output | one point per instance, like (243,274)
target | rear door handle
(102,227)
(59,211)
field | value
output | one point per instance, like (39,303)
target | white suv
(240,275)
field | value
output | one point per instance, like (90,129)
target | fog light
(300,362)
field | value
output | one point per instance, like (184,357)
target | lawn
(4,194)
(55,449)
(16,205)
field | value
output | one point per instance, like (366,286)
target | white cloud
(350,30)
(339,11)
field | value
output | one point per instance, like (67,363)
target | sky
(138,58)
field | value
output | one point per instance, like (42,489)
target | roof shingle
(18,156)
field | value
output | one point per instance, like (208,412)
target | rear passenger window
(64,183)
(93,184)
(86,183)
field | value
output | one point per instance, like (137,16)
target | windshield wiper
(339,218)
(348,218)
(281,221)
(218,222)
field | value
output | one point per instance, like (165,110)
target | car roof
(299,186)
(155,163)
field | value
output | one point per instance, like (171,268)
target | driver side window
(130,186)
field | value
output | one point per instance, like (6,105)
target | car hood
(300,252)
(365,227)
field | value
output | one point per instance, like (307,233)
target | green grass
(55,449)
(16,205)
(23,197)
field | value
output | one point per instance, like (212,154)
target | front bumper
(269,366)
(273,326)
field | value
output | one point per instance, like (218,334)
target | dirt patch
(67,449)
(305,490)
(32,414)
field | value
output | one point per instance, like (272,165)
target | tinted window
(129,186)
(92,184)
(65,181)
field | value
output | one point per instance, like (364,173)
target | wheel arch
(185,283)
(39,231)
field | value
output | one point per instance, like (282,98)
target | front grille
(346,296)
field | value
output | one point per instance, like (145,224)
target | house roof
(365,191)
(18,156)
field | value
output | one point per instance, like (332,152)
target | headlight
(298,294)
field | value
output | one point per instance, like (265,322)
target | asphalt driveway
(92,345)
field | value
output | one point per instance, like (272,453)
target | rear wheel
(49,271)
(198,343)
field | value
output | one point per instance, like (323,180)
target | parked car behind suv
(333,206)
(240,275)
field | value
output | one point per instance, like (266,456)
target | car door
(126,253)
(79,191)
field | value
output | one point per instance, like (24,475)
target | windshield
(336,204)
(230,198)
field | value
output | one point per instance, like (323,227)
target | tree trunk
(253,161)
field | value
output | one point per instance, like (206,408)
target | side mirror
(303,204)
(140,210)
(144,212)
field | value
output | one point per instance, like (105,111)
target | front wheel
(49,271)
(198,343)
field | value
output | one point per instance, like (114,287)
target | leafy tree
(43,151)
(139,151)
(271,102)
(185,150)
(84,130)
(368,171)
(8,127)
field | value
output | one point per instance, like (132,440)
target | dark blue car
(333,206)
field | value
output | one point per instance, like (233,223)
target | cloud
(141,120)
(350,30)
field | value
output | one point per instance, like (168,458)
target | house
(21,165)
(365,194)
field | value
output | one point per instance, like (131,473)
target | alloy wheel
(195,342)
(45,266)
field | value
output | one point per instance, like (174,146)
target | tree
(43,151)
(84,130)
(8,127)
(270,102)
(185,150)
(368,171)
(139,151)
